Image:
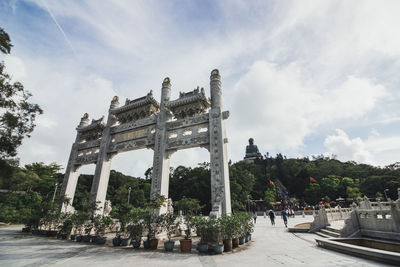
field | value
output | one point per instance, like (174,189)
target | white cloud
(15,67)
(347,149)
(280,107)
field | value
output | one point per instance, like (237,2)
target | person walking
(271,215)
(255,217)
(284,217)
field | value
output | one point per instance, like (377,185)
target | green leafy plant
(101,224)
(170,224)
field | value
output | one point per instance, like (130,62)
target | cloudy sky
(301,77)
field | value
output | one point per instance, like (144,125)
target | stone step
(330,233)
(333,229)
(322,235)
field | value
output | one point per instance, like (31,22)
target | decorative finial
(215,72)
(85,116)
(166,80)
(115,99)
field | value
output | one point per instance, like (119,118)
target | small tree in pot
(203,230)
(136,227)
(101,224)
(152,221)
(170,224)
(190,207)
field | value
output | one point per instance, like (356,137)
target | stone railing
(374,219)
(327,215)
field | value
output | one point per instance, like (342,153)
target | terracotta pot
(235,242)
(186,245)
(153,243)
(227,245)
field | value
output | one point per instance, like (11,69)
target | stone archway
(192,120)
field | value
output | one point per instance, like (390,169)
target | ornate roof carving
(189,104)
(92,131)
(136,109)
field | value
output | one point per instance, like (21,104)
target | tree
(17,118)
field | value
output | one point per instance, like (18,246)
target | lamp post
(129,193)
(55,190)
(384,191)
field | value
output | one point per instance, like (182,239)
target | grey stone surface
(270,246)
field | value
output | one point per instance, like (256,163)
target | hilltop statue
(252,150)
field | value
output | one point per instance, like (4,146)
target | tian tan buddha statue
(252,150)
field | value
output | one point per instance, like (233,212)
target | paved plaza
(270,246)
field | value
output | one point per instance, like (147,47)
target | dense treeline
(34,183)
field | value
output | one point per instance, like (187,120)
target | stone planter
(153,243)
(202,247)
(125,241)
(169,245)
(227,245)
(101,240)
(72,237)
(86,238)
(146,244)
(186,245)
(51,233)
(218,249)
(136,244)
(249,236)
(235,242)
(242,240)
(116,241)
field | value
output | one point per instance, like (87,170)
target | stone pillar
(71,173)
(161,164)
(98,191)
(220,188)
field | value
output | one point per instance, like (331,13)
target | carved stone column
(220,188)
(71,173)
(98,191)
(161,163)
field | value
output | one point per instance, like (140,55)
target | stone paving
(270,246)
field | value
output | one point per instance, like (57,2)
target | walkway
(270,246)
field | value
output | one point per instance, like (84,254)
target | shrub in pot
(65,228)
(101,224)
(229,230)
(190,207)
(170,224)
(88,230)
(249,226)
(152,222)
(202,227)
(78,221)
(136,227)
(123,214)
(214,227)
(153,227)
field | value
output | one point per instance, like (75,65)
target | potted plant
(101,224)
(123,213)
(65,228)
(170,224)
(189,206)
(78,220)
(242,219)
(249,227)
(136,227)
(229,227)
(152,226)
(88,230)
(152,221)
(202,226)
(215,228)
